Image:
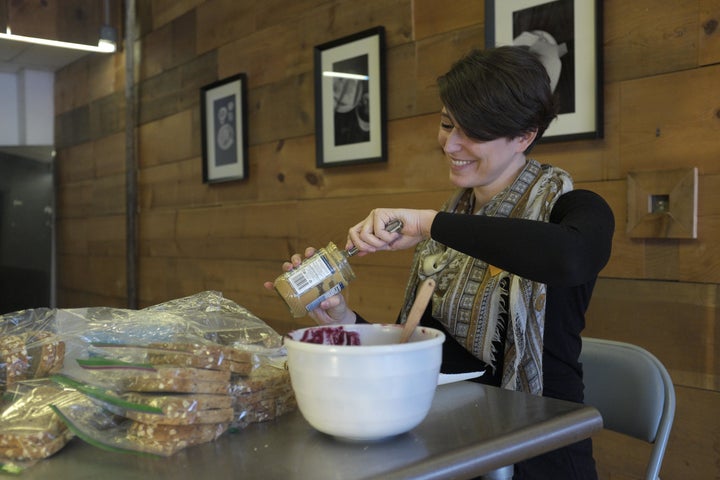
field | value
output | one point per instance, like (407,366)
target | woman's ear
(526,139)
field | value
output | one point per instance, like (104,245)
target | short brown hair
(501,92)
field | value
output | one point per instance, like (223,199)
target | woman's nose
(453,142)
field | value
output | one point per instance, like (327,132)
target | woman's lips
(458,164)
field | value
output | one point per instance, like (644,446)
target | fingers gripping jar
(318,277)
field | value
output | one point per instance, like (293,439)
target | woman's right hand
(331,311)
(370,235)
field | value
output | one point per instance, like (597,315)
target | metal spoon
(422,298)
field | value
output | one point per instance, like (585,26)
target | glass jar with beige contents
(318,277)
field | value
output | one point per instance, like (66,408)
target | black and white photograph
(565,36)
(224,130)
(349,99)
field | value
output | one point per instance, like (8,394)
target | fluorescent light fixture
(353,76)
(106,44)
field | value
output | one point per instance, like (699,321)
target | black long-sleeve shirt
(566,254)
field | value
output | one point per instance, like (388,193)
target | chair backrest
(633,392)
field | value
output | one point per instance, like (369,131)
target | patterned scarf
(475,300)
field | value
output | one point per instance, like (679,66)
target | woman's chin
(460,180)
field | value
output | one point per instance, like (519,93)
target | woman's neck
(485,193)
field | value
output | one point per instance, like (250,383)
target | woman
(515,252)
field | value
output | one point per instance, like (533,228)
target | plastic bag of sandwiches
(30,347)
(204,363)
(106,421)
(29,429)
(202,345)
(203,330)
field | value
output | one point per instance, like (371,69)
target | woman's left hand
(331,311)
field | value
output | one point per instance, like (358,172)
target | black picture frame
(350,103)
(568,36)
(223,114)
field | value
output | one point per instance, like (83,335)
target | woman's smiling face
(486,166)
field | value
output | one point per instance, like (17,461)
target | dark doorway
(26,228)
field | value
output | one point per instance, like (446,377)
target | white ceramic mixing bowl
(368,392)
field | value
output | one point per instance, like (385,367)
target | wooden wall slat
(33,19)
(274,12)
(655,135)
(284,106)
(287,170)
(176,89)
(98,275)
(71,85)
(260,55)
(401,61)
(82,298)
(648,37)
(109,70)
(165,11)
(92,236)
(75,163)
(709,32)
(430,20)
(435,55)
(168,46)
(100,196)
(222,21)
(107,115)
(109,155)
(72,127)
(676,321)
(76,21)
(166,140)
(339,20)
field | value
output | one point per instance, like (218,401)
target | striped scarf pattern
(473,299)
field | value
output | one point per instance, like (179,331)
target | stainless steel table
(470,430)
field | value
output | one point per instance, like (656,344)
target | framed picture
(566,34)
(350,107)
(223,114)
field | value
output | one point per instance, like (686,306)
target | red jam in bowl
(330,336)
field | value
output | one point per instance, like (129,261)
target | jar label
(333,291)
(313,271)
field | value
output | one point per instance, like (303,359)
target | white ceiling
(15,56)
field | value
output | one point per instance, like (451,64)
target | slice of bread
(181,385)
(171,404)
(14,358)
(29,429)
(263,395)
(167,440)
(158,357)
(265,376)
(178,379)
(46,352)
(218,415)
(208,350)
(32,450)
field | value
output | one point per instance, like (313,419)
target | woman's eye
(446,126)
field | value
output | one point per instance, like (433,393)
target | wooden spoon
(422,297)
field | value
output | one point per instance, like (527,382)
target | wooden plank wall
(662,111)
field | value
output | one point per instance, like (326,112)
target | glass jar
(317,278)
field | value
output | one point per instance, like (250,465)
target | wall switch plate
(663,203)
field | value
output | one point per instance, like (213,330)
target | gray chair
(633,392)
